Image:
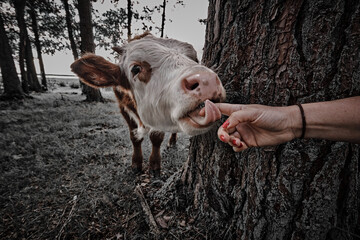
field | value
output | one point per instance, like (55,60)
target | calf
(160,87)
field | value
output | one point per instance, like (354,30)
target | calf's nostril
(191,85)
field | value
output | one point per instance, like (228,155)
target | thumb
(228,108)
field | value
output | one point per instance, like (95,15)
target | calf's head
(166,81)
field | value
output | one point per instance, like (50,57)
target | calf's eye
(135,69)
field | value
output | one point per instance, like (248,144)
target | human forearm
(337,120)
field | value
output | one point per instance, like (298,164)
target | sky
(184,26)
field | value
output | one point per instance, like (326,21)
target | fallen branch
(153,226)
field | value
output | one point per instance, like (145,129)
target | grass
(65,170)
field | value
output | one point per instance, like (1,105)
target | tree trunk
(68,18)
(33,80)
(38,45)
(129,18)
(87,44)
(12,85)
(19,9)
(277,53)
(163,19)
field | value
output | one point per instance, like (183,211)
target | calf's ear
(97,72)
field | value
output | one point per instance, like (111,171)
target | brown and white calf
(160,87)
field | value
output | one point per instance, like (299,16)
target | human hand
(258,125)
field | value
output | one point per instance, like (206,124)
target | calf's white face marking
(165,79)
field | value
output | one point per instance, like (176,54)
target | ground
(65,171)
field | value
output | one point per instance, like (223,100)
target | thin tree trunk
(68,18)
(19,9)
(163,19)
(87,44)
(38,45)
(33,80)
(275,53)
(129,18)
(12,85)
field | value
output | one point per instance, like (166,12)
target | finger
(235,140)
(240,148)
(223,135)
(227,108)
(240,116)
(236,135)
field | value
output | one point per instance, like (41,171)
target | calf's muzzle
(204,85)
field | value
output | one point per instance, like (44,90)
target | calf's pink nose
(203,85)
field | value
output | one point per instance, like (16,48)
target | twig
(147,211)
(68,218)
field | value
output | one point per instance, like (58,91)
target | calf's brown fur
(103,76)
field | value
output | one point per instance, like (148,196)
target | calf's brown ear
(97,72)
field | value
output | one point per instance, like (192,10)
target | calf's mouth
(203,115)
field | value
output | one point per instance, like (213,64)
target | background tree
(162,9)
(35,28)
(87,44)
(69,27)
(19,9)
(109,28)
(28,76)
(32,78)
(52,27)
(129,17)
(277,54)
(12,85)
(163,18)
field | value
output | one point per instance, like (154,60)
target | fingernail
(222,138)
(226,124)
(240,145)
(234,142)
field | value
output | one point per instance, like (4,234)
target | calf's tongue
(212,113)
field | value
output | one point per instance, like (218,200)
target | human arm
(259,125)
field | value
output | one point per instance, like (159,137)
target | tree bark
(12,85)
(87,44)
(38,45)
(19,9)
(68,18)
(277,53)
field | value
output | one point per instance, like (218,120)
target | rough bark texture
(278,53)
(12,85)
(87,44)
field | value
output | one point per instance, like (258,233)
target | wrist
(296,121)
